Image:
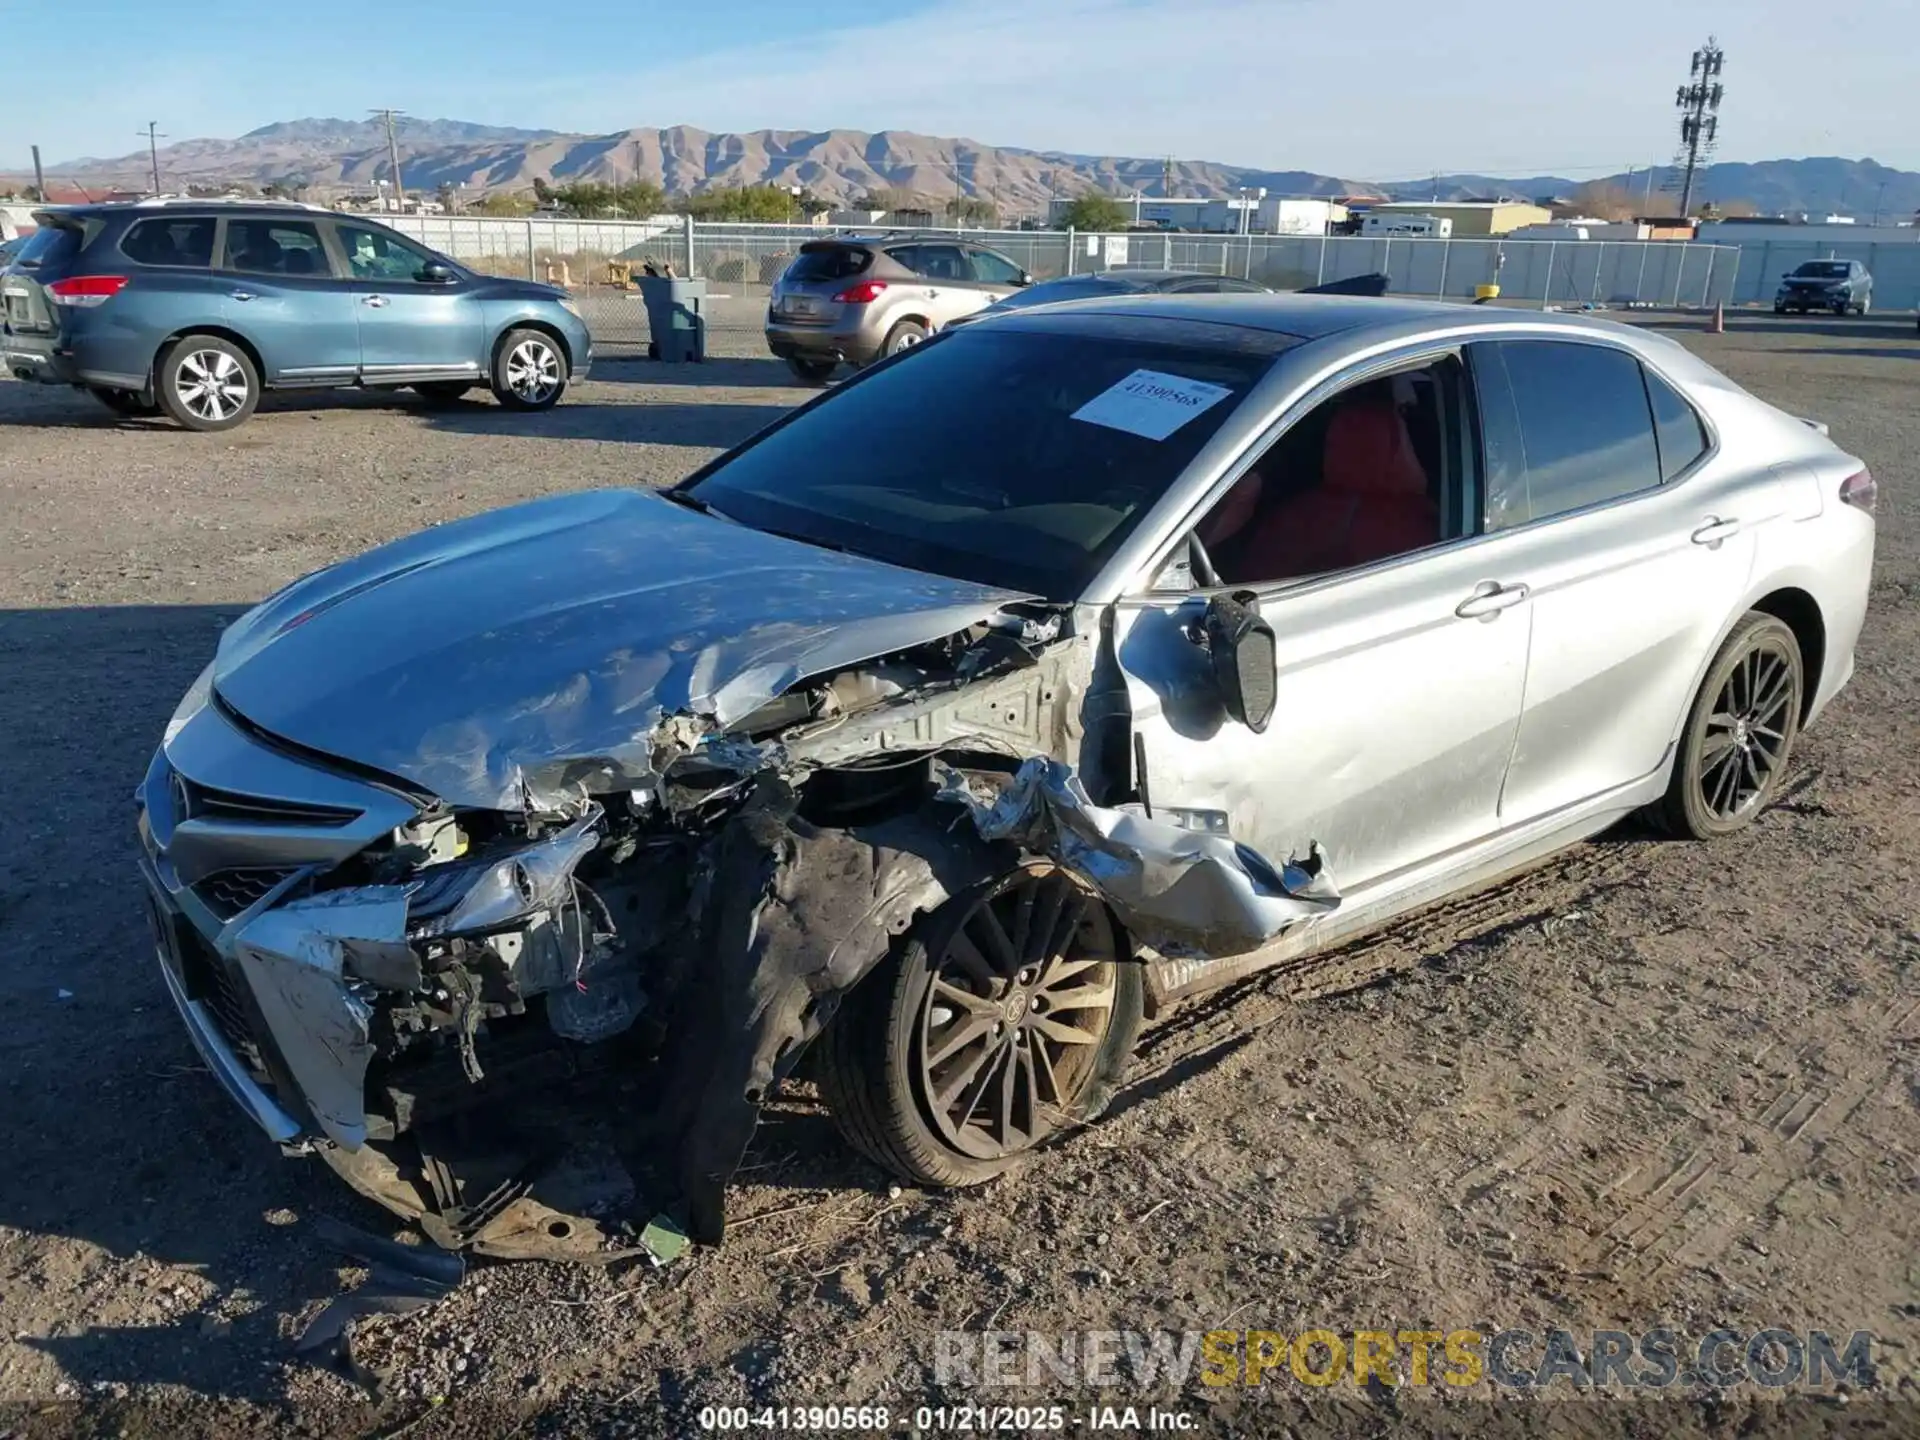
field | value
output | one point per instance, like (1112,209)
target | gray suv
(859,299)
(193,308)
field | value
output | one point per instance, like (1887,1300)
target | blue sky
(1367,89)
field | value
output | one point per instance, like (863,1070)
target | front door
(1402,656)
(410,328)
(282,294)
(1635,552)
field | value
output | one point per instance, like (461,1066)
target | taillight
(86,291)
(1859,491)
(865,293)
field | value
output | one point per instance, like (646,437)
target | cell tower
(1698,102)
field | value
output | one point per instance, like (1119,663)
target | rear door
(946,274)
(410,328)
(1634,549)
(281,292)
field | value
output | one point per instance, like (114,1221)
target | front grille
(229,1010)
(227,892)
(203,802)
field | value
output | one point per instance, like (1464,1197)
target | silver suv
(858,299)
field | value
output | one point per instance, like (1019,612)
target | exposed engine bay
(441,1003)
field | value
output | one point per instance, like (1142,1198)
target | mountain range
(333,156)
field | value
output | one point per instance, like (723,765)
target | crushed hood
(524,655)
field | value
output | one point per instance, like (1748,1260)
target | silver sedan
(1092,656)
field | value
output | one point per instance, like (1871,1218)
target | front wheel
(1739,733)
(1865,307)
(206,383)
(1006,1016)
(529,371)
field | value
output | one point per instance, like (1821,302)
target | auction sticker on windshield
(1151,403)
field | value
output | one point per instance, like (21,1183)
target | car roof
(187,205)
(1310,317)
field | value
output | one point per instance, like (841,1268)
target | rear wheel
(904,336)
(1005,1016)
(810,372)
(443,392)
(206,383)
(124,402)
(1739,734)
(529,371)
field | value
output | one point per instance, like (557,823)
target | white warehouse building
(1252,212)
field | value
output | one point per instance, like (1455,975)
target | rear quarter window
(831,262)
(180,241)
(1585,424)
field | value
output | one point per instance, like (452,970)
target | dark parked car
(1111,284)
(192,308)
(11,248)
(1836,285)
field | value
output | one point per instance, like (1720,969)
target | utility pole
(39,178)
(154,137)
(1698,102)
(393,157)
(1166,179)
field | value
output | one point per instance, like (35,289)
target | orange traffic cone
(1718,325)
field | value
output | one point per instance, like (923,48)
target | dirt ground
(1646,1084)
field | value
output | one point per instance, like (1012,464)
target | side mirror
(1245,658)
(434,273)
(1025,279)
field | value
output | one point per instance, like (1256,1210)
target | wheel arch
(1800,613)
(219,332)
(544,327)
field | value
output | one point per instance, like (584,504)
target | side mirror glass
(434,273)
(1025,278)
(1245,658)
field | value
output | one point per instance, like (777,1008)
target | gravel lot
(1647,1084)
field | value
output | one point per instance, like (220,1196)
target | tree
(1605,202)
(765,204)
(505,203)
(972,210)
(889,199)
(448,197)
(1094,212)
(593,199)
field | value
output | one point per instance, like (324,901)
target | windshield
(1823,270)
(1015,457)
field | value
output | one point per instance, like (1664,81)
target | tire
(206,383)
(904,336)
(443,392)
(529,370)
(1864,308)
(810,372)
(124,402)
(870,1062)
(1739,734)
(1842,308)
(1779,309)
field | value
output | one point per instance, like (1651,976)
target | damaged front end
(515,1025)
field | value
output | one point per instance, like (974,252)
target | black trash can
(676,318)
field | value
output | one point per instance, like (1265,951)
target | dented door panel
(1394,723)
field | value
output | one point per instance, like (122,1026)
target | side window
(935,262)
(1586,427)
(275,247)
(1378,470)
(182,242)
(1683,439)
(992,269)
(380,255)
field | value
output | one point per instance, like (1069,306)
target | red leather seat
(1371,502)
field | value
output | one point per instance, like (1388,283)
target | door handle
(1489,598)
(376,301)
(243,295)
(1715,530)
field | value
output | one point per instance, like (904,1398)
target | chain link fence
(596,258)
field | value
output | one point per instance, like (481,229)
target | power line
(154,137)
(393,157)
